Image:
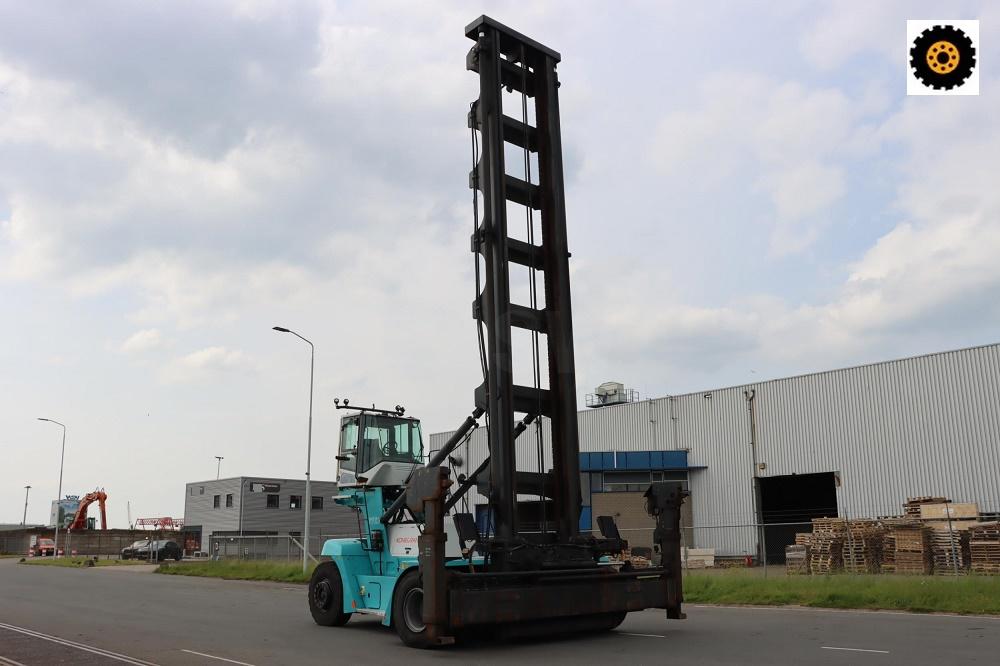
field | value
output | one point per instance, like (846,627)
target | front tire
(407,611)
(326,596)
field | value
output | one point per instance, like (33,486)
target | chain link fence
(90,543)
(266,547)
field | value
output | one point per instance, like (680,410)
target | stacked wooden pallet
(826,548)
(949,550)
(889,551)
(911,549)
(984,548)
(797,560)
(863,546)
(912,507)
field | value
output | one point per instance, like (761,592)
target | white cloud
(848,30)
(795,139)
(142,341)
(206,363)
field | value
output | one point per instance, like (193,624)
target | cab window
(349,442)
(389,438)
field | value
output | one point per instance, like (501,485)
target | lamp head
(280,329)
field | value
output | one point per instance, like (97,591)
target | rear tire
(615,619)
(326,596)
(407,611)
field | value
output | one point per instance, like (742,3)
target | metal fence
(853,555)
(947,551)
(266,547)
(89,543)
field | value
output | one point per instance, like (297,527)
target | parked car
(43,548)
(131,552)
(158,549)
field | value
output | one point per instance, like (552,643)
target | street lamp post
(218,467)
(62,459)
(308,498)
(24,520)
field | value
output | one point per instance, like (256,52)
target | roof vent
(611,393)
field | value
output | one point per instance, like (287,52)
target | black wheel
(326,596)
(615,619)
(942,57)
(408,611)
(178,555)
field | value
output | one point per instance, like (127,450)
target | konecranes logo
(943,57)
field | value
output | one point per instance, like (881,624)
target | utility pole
(62,459)
(24,520)
(308,498)
(218,467)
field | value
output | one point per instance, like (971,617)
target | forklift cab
(378,449)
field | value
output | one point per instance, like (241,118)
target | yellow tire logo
(943,57)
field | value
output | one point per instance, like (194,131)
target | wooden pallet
(913,550)
(911,508)
(862,549)
(797,560)
(984,548)
(950,550)
(826,553)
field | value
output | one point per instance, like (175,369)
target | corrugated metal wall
(928,425)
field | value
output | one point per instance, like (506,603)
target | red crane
(80,519)
(165,523)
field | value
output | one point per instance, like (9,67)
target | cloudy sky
(750,195)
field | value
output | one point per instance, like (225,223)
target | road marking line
(851,611)
(854,649)
(9,662)
(212,656)
(629,633)
(79,646)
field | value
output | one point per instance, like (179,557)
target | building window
(191,490)
(215,501)
(626,481)
(201,490)
(675,475)
(295,502)
(229,501)
(272,501)
(317,504)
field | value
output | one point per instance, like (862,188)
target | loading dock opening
(794,498)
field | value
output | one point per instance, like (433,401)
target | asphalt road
(51,615)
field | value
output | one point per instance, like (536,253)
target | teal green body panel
(369,576)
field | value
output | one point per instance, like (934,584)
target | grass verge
(78,562)
(282,572)
(970,595)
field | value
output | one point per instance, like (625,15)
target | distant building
(262,506)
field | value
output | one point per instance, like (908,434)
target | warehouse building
(853,443)
(256,506)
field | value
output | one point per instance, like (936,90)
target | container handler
(420,564)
